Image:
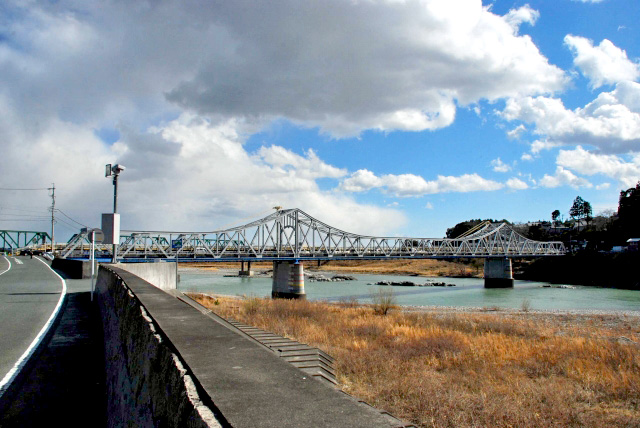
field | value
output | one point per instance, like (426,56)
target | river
(468,292)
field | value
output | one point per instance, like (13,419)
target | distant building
(580,223)
(556,230)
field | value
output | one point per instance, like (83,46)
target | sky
(379,117)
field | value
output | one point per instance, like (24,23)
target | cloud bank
(184,84)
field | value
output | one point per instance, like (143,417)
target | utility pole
(115,211)
(53,219)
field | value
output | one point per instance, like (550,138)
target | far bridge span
(290,237)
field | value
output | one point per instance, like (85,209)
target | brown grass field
(446,368)
(419,267)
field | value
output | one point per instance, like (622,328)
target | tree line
(600,232)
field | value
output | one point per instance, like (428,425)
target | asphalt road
(29,293)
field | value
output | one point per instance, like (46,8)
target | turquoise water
(468,292)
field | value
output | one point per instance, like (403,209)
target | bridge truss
(293,234)
(22,238)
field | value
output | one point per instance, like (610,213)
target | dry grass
(383,301)
(213,266)
(445,369)
(421,267)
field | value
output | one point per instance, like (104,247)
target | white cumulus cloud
(515,17)
(411,185)
(588,163)
(500,166)
(563,177)
(516,184)
(610,122)
(602,64)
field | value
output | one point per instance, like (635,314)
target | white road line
(11,375)
(17,261)
(8,261)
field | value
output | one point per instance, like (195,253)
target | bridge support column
(498,272)
(288,280)
(247,272)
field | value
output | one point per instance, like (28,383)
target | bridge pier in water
(288,280)
(247,272)
(498,272)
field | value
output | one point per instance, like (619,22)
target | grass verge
(452,369)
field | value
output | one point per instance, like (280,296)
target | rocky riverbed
(318,277)
(413,284)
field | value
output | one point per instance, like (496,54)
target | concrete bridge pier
(288,280)
(498,272)
(247,272)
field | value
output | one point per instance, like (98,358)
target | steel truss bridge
(22,238)
(292,234)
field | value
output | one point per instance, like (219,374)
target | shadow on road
(64,381)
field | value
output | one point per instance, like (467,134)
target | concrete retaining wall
(74,269)
(168,364)
(163,275)
(147,383)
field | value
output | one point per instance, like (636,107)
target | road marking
(8,261)
(17,261)
(19,365)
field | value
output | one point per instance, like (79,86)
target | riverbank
(472,268)
(617,270)
(467,368)
(590,269)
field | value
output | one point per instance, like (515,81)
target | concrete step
(308,359)
(311,366)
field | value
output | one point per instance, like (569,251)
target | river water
(468,292)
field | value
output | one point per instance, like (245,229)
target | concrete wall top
(163,275)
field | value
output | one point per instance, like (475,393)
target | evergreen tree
(577,209)
(629,211)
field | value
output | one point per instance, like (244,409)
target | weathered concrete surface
(498,272)
(163,275)
(147,384)
(288,280)
(248,385)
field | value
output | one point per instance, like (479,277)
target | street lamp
(114,171)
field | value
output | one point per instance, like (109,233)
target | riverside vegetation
(466,268)
(445,368)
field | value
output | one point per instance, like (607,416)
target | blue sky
(379,117)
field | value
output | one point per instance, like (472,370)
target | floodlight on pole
(114,170)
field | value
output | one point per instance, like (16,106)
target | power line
(22,219)
(21,210)
(19,216)
(74,227)
(75,221)
(38,188)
